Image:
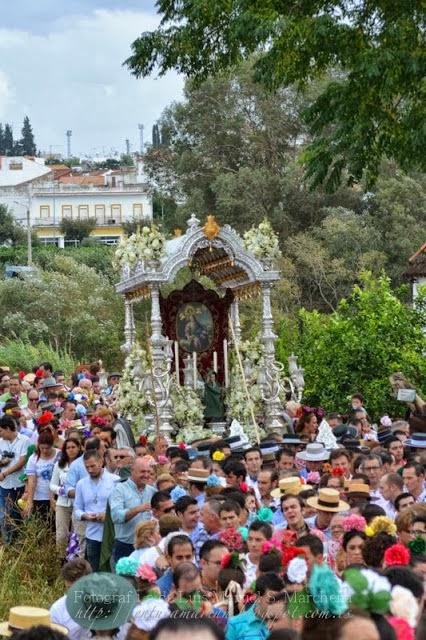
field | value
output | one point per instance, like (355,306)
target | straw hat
(27,617)
(292,486)
(198,475)
(358,489)
(328,500)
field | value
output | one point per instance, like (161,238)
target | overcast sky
(61,64)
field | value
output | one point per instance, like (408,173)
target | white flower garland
(146,244)
(262,241)
(131,403)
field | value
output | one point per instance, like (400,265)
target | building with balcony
(109,197)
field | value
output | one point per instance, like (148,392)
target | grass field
(29,570)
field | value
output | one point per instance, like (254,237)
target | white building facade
(123,197)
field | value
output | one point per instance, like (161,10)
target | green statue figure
(213,399)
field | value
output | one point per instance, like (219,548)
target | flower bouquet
(189,413)
(131,402)
(144,245)
(262,241)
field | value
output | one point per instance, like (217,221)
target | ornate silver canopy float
(218,252)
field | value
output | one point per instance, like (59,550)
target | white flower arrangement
(262,241)
(131,402)
(297,570)
(189,412)
(404,605)
(146,244)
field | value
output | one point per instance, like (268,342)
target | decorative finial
(193,222)
(211,228)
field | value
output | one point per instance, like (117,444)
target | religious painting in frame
(198,319)
(194,327)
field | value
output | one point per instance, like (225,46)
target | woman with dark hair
(374,549)
(353,544)
(355,624)
(307,426)
(71,450)
(39,472)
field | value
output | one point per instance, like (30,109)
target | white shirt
(42,470)
(148,555)
(249,571)
(57,482)
(59,615)
(91,496)
(253,485)
(18,447)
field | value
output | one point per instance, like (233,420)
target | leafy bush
(371,335)
(22,355)
(70,306)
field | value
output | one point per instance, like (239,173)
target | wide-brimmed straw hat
(292,486)
(314,452)
(50,383)
(21,618)
(358,489)
(198,475)
(328,500)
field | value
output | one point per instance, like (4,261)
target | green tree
(233,152)
(126,160)
(155,136)
(370,335)
(27,143)
(372,107)
(70,305)
(9,144)
(77,229)
(11,233)
(2,147)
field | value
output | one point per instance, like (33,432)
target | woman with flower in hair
(353,540)
(307,425)
(39,471)
(231,582)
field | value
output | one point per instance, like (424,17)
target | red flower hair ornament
(396,555)
(337,472)
(45,418)
(291,552)
(243,486)
(21,375)
(182,446)
(233,539)
(98,421)
(143,440)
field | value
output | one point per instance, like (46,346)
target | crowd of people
(289,538)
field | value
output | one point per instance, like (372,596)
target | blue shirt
(124,497)
(76,472)
(91,496)
(246,626)
(165,583)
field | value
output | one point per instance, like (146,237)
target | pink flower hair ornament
(354,522)
(146,572)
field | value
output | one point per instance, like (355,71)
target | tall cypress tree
(8,140)
(1,140)
(27,144)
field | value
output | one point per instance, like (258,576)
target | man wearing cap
(326,504)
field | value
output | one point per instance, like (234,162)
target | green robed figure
(213,398)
